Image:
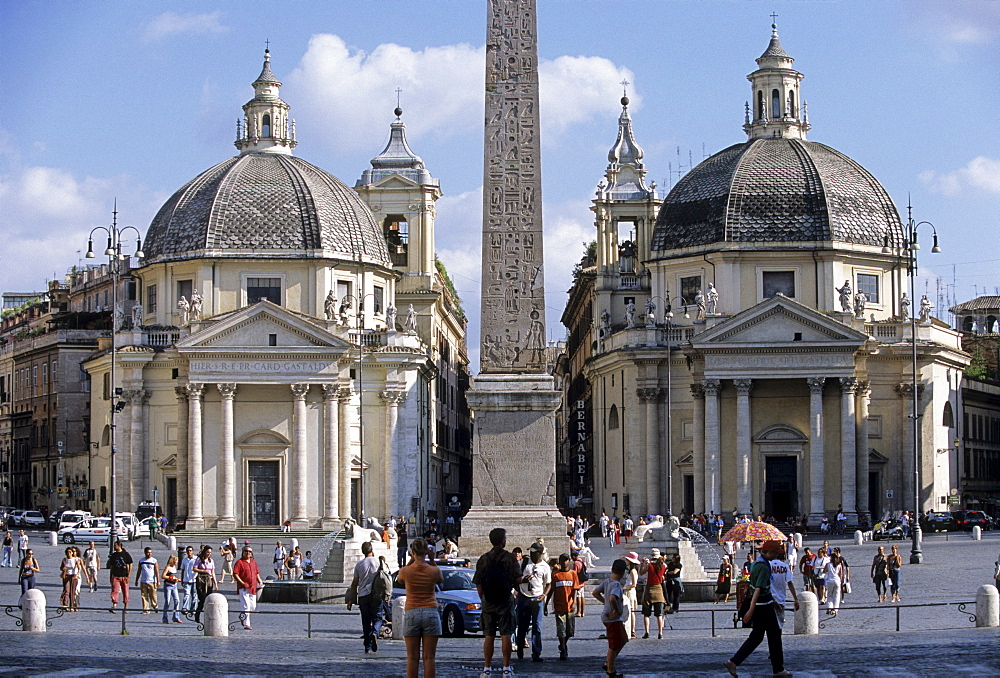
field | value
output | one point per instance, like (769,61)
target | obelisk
(513,397)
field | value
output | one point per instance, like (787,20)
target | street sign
(888,494)
(953,500)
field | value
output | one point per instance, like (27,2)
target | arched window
(106,436)
(792,111)
(991,324)
(265,126)
(613,418)
(761,111)
(948,419)
(775,104)
(968,324)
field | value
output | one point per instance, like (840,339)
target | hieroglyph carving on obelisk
(513,297)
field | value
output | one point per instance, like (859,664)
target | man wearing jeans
(371,608)
(536,581)
(120,565)
(187,575)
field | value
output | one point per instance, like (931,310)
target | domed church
(280,361)
(745,342)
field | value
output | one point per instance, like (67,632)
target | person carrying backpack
(497,573)
(367,590)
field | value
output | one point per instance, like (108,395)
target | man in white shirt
(536,581)
(280,554)
(782,581)
(146,578)
(92,561)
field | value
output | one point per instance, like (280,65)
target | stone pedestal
(513,464)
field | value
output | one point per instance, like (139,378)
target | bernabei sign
(259,366)
(579,435)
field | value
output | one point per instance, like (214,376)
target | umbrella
(754,531)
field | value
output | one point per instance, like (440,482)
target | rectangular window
(55,371)
(264,289)
(379,299)
(107,386)
(150,298)
(774,282)
(45,377)
(184,289)
(868,283)
(343,292)
(690,286)
(130,290)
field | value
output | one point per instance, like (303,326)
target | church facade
(745,342)
(279,360)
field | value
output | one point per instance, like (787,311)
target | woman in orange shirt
(422,623)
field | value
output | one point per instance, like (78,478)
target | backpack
(495,582)
(583,575)
(382,586)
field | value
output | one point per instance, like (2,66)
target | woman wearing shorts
(422,623)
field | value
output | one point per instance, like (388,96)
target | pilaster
(227,484)
(848,449)
(817,463)
(744,480)
(713,468)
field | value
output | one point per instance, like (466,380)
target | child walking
(615,614)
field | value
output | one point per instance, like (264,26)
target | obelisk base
(514,464)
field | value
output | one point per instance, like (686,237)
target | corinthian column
(331,460)
(182,453)
(744,496)
(227,475)
(817,499)
(196,516)
(390,503)
(698,453)
(650,397)
(713,481)
(848,449)
(343,412)
(861,447)
(300,469)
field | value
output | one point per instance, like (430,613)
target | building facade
(751,344)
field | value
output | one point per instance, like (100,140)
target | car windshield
(457,580)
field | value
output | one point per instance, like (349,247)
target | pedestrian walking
(724,583)
(834,575)
(630,584)
(361,592)
(580,568)
(782,583)
(673,584)
(70,570)
(8,551)
(563,597)
(280,555)
(819,574)
(761,614)
(188,576)
(246,574)
(422,621)
(27,570)
(627,525)
(84,575)
(119,570)
(147,576)
(895,563)
(228,556)
(614,616)
(806,568)
(497,573)
(171,597)
(653,599)
(536,581)
(92,565)
(205,581)
(402,547)
(22,544)
(880,573)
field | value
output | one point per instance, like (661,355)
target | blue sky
(132,99)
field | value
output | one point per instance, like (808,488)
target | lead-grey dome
(265,203)
(776,190)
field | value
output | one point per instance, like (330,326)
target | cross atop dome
(266,127)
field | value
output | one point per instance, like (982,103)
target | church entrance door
(263,477)
(781,496)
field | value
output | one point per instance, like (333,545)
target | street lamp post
(115,259)
(912,245)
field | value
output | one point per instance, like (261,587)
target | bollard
(798,539)
(172,544)
(216,615)
(807,616)
(295,544)
(977,533)
(53,538)
(33,611)
(398,617)
(859,538)
(987,606)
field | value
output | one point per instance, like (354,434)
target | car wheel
(68,539)
(454,625)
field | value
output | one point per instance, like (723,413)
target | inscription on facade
(513,297)
(275,367)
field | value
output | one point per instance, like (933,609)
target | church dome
(264,203)
(776,190)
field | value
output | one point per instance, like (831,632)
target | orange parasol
(753,531)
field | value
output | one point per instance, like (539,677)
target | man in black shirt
(497,573)
(120,565)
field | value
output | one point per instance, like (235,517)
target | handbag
(847,587)
(744,608)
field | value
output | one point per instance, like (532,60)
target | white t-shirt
(147,570)
(819,565)
(534,578)
(610,587)
(90,557)
(781,576)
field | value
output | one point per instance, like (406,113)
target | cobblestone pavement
(936,639)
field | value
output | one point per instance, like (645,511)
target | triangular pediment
(779,320)
(168,464)
(256,327)
(396,181)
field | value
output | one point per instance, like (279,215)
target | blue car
(457,598)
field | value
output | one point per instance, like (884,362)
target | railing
(367,339)
(161,338)
(627,281)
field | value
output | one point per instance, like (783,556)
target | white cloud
(172,23)
(981,173)
(342,89)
